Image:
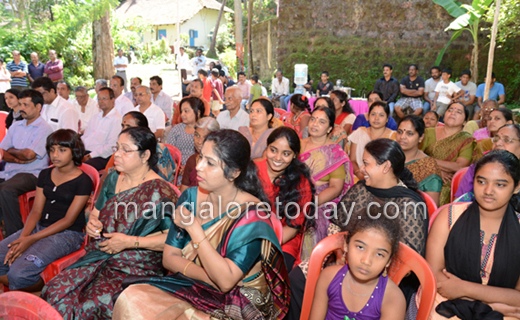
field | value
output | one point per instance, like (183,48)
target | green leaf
(453,7)
(459,23)
(481,6)
(455,35)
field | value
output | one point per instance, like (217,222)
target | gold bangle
(186,267)
(136,244)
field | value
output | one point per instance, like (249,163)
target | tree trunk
(102,48)
(492,51)
(239,39)
(250,53)
(474,63)
(211,52)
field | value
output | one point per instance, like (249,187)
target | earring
(343,259)
(144,161)
(385,273)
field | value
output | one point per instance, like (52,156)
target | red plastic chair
(457,177)
(432,206)
(406,260)
(3,129)
(177,158)
(282,112)
(26,306)
(435,214)
(177,191)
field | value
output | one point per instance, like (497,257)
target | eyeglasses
(506,139)
(123,151)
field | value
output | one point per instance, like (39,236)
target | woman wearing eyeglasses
(507,138)
(128,229)
(497,118)
(450,146)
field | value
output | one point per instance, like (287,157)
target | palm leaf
(455,35)
(453,7)
(459,23)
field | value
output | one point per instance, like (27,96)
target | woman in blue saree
(224,255)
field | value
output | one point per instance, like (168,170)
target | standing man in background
(183,63)
(199,62)
(18,70)
(121,63)
(54,67)
(36,68)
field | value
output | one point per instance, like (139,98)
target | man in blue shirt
(36,68)
(25,155)
(18,70)
(496,92)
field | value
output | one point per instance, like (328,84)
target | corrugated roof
(160,12)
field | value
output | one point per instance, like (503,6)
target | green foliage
(508,22)
(467,18)
(229,58)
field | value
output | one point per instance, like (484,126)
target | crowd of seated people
(256,191)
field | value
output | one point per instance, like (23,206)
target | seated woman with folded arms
(128,228)
(261,115)
(55,224)
(223,253)
(473,247)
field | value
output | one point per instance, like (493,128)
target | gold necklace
(350,289)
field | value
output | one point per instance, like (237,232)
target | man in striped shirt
(18,70)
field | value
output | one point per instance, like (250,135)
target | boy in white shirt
(444,93)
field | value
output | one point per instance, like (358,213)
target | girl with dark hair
(387,180)
(222,251)
(338,134)
(369,241)
(473,248)
(127,227)
(181,135)
(424,169)
(298,118)
(507,138)
(55,224)
(362,119)
(286,180)
(345,116)
(379,113)
(330,168)
(11,99)
(497,118)
(261,117)
(450,146)
(431,119)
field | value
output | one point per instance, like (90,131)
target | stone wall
(352,39)
(259,40)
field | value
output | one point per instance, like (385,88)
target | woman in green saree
(451,147)
(223,253)
(128,228)
(425,170)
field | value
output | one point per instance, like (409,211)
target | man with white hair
(234,117)
(155,116)
(100,83)
(86,106)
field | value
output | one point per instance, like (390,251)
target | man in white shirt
(468,93)
(429,88)
(160,98)
(199,62)
(134,83)
(100,83)
(121,63)
(444,93)
(123,104)
(280,88)
(102,131)
(86,107)
(154,114)
(234,117)
(57,112)
(183,63)
(63,89)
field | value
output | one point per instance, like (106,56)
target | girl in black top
(55,223)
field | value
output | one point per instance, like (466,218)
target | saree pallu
(323,161)
(264,295)
(427,174)
(481,148)
(85,289)
(165,165)
(448,149)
